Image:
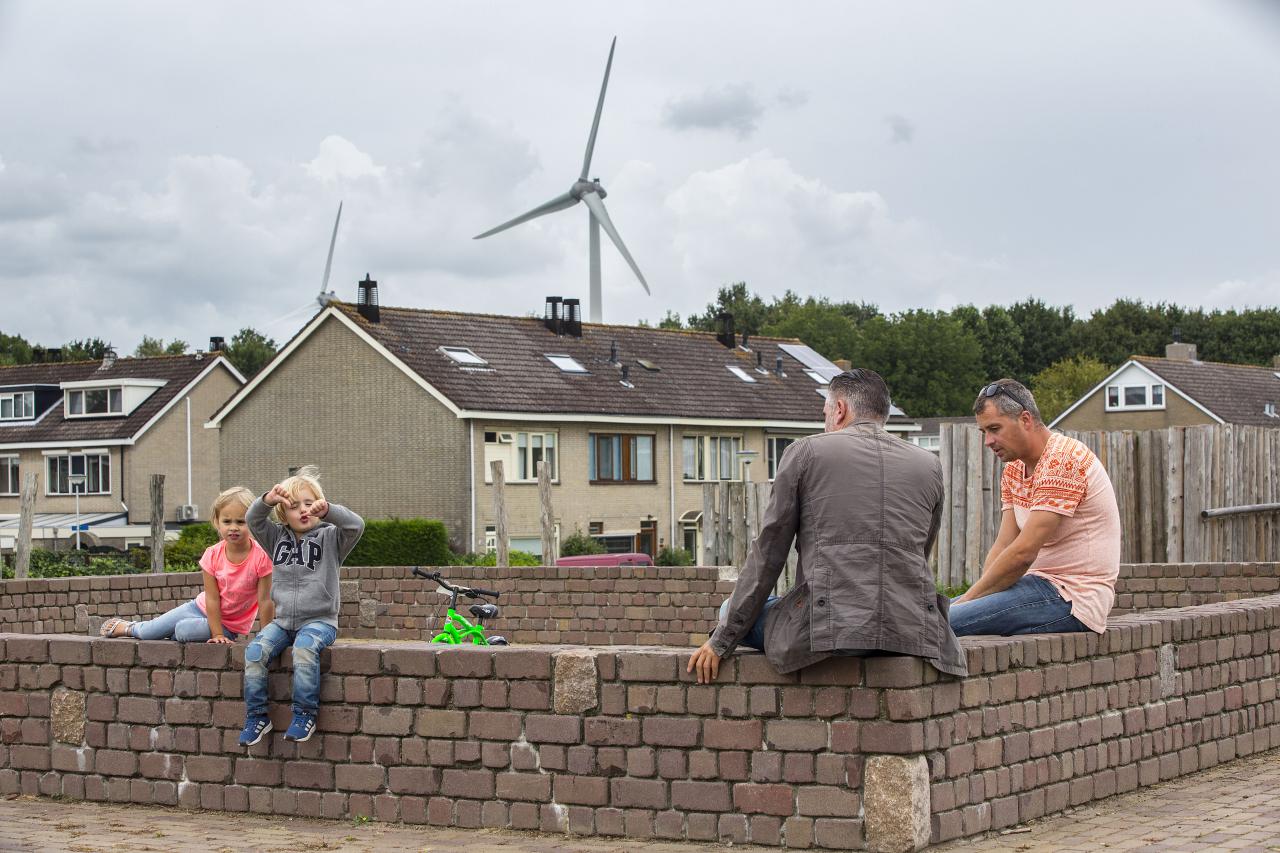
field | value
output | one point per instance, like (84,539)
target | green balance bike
(456,628)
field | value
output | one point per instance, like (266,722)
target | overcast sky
(173,169)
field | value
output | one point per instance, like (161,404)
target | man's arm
(764,564)
(1011,561)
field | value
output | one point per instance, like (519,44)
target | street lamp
(77,486)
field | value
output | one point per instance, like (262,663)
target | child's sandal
(109,627)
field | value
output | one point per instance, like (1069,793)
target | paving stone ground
(1234,807)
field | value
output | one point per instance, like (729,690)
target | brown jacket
(863,508)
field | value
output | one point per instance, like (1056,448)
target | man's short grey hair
(1010,397)
(865,393)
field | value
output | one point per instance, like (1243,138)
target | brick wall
(1151,586)
(613,741)
(591,606)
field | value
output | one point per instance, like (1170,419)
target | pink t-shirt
(237,584)
(1083,559)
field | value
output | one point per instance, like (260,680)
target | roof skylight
(647,364)
(462,355)
(566,363)
(740,373)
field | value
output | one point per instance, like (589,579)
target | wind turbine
(322,299)
(592,194)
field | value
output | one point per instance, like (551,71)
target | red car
(607,560)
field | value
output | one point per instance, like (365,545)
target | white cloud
(1260,291)
(734,107)
(340,160)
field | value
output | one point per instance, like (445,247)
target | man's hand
(278,495)
(706,663)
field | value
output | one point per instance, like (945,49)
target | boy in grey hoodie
(307,538)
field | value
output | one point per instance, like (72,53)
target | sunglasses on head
(995,389)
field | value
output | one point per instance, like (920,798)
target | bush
(191,545)
(579,544)
(673,557)
(402,542)
(514,558)
(48,564)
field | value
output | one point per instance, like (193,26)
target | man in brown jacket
(863,508)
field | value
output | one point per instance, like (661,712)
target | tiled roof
(693,380)
(177,371)
(1236,393)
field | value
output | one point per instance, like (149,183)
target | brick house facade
(403,409)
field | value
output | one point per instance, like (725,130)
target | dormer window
(96,399)
(16,406)
(1131,397)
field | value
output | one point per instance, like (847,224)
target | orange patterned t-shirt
(1083,559)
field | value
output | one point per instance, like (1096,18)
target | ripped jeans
(307,643)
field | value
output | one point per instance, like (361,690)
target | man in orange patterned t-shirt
(1054,563)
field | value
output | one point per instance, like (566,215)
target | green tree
(1047,335)
(1127,327)
(817,322)
(14,349)
(931,362)
(1063,382)
(249,350)
(750,313)
(89,349)
(670,321)
(999,337)
(858,312)
(1251,336)
(151,347)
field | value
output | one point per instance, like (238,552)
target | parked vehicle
(630,559)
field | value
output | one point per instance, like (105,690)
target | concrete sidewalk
(1232,807)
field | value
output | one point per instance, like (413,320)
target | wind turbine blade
(560,202)
(596,205)
(595,125)
(296,311)
(328,262)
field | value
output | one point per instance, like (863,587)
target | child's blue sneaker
(302,727)
(255,729)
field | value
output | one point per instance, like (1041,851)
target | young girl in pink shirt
(237,586)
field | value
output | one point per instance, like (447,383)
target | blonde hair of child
(234,495)
(308,477)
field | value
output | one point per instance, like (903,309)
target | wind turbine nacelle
(581,188)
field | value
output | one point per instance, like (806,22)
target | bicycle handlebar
(469,592)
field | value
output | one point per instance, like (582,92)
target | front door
(647,538)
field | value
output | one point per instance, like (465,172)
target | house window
(928,442)
(620,458)
(462,355)
(94,467)
(8,475)
(520,453)
(1122,397)
(566,363)
(712,457)
(775,447)
(691,533)
(95,401)
(17,406)
(740,373)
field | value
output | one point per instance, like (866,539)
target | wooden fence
(731,518)
(1162,479)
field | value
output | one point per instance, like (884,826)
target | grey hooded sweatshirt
(304,583)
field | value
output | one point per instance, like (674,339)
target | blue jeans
(755,637)
(185,623)
(307,643)
(1030,606)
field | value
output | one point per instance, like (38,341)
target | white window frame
(1120,392)
(932,443)
(103,460)
(518,443)
(740,373)
(464,356)
(10,475)
(772,457)
(22,405)
(115,394)
(565,362)
(706,463)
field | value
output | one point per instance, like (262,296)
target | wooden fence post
(500,513)
(26,516)
(157,524)
(708,555)
(548,517)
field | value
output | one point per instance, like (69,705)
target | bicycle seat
(484,611)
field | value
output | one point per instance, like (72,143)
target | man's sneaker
(255,729)
(302,727)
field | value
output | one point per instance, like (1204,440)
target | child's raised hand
(320,508)
(278,495)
